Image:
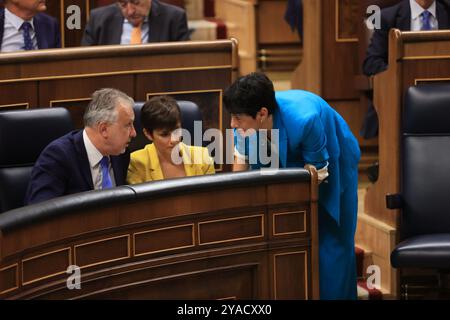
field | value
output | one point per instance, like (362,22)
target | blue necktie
(426,22)
(28,43)
(106,179)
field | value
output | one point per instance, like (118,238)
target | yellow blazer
(144,164)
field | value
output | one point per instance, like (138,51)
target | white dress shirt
(13,36)
(416,11)
(94,157)
(128,27)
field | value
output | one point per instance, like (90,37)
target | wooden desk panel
(147,249)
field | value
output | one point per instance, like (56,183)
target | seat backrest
(425,163)
(23,135)
(190,112)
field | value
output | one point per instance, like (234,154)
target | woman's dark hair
(249,94)
(161,112)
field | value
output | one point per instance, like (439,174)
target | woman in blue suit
(309,132)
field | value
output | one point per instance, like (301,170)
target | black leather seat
(190,112)
(23,135)
(425,180)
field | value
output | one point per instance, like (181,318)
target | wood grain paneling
(164,239)
(291,275)
(45,265)
(232,229)
(102,251)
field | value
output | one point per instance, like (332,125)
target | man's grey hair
(102,107)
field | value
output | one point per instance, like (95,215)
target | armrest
(394,201)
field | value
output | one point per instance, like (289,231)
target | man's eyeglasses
(124,3)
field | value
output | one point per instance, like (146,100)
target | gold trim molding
(286,213)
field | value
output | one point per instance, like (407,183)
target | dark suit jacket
(63,168)
(376,61)
(166,23)
(46,28)
(398,16)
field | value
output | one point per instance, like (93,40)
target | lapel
(442,16)
(154,166)
(282,137)
(82,159)
(40,32)
(116,164)
(2,24)
(189,159)
(403,19)
(154,23)
(115,29)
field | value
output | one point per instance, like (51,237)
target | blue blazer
(46,28)
(311,132)
(397,16)
(63,168)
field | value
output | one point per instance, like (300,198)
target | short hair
(102,107)
(160,112)
(249,94)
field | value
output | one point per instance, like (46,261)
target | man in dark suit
(408,15)
(134,22)
(89,159)
(24,26)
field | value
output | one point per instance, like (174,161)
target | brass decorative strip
(103,240)
(286,213)
(426,57)
(275,270)
(163,250)
(234,239)
(52,102)
(16,265)
(416,81)
(115,73)
(337,26)
(26,104)
(42,255)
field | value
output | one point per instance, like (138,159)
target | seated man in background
(408,15)
(24,26)
(135,22)
(93,158)
(304,130)
(167,157)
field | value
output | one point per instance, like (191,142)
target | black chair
(23,135)
(190,112)
(425,182)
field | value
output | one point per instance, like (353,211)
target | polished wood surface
(187,245)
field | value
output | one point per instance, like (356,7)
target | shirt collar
(94,156)
(416,9)
(128,22)
(15,20)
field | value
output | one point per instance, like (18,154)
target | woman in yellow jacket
(166,157)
